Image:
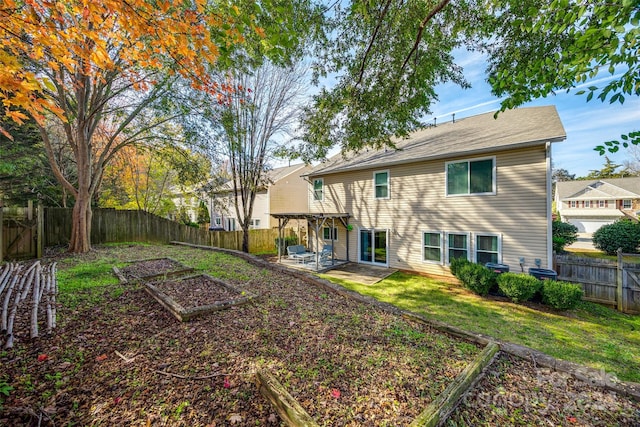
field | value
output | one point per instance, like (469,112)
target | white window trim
(630,203)
(442,255)
(475,245)
(335,230)
(587,203)
(313,190)
(602,203)
(573,204)
(446,244)
(388,184)
(493,177)
(217,220)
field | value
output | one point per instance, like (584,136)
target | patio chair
(326,254)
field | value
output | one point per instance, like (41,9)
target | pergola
(317,221)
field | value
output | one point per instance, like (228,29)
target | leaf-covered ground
(118,358)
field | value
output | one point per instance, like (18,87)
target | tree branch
(423,24)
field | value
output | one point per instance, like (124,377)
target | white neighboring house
(591,204)
(190,199)
(285,191)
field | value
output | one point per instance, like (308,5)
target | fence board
(18,236)
(117,226)
(598,278)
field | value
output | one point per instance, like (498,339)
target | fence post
(619,282)
(39,230)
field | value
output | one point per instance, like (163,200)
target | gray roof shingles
(477,134)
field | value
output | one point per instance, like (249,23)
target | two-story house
(284,190)
(478,188)
(593,203)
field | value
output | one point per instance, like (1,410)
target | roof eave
(441,156)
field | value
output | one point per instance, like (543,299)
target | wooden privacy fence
(615,283)
(117,226)
(21,234)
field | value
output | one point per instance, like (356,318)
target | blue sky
(587,124)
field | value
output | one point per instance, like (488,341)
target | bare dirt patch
(119,358)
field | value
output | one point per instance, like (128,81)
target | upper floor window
(254,223)
(471,177)
(587,203)
(381,184)
(218,221)
(573,203)
(626,204)
(602,203)
(318,189)
(432,246)
(326,233)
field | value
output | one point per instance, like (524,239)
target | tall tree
(386,57)
(96,66)
(609,170)
(537,47)
(262,108)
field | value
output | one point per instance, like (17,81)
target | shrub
(287,241)
(623,234)
(518,287)
(456,264)
(564,234)
(561,295)
(477,278)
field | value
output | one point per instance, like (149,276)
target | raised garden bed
(151,269)
(194,296)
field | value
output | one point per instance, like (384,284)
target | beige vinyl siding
(517,212)
(288,195)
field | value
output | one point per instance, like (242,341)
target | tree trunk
(81,225)
(245,237)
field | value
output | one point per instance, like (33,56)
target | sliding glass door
(373,246)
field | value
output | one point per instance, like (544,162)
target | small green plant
(564,234)
(518,287)
(180,409)
(561,295)
(477,278)
(456,264)
(5,389)
(623,233)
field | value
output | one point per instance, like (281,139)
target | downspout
(549,218)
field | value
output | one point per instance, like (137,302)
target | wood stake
(36,301)
(5,305)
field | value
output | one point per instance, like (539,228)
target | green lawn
(591,335)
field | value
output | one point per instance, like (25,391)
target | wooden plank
(446,402)
(285,405)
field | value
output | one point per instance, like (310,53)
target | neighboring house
(478,188)
(187,199)
(591,204)
(285,191)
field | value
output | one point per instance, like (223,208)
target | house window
(254,223)
(587,203)
(487,248)
(326,233)
(218,221)
(602,203)
(318,189)
(432,244)
(626,204)
(381,184)
(471,177)
(457,246)
(573,203)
